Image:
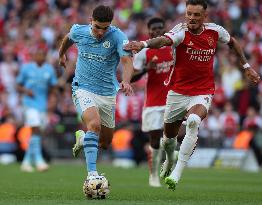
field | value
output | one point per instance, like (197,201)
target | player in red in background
(191,82)
(156,63)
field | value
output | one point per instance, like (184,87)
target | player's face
(99,28)
(40,57)
(195,17)
(156,30)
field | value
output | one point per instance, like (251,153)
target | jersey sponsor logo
(106,44)
(200,54)
(95,57)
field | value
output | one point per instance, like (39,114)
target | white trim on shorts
(177,105)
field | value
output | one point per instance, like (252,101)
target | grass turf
(62,184)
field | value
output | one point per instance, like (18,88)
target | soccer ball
(96,187)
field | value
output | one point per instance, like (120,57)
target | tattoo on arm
(159,42)
(234,45)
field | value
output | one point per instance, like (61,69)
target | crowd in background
(26,23)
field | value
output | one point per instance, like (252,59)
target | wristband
(145,44)
(245,66)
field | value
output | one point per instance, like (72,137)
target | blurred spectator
(8,145)
(229,121)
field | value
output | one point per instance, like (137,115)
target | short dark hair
(203,3)
(103,14)
(155,20)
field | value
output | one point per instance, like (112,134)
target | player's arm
(138,74)
(151,43)
(249,72)
(127,75)
(140,65)
(21,89)
(66,43)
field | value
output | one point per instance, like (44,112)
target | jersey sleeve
(121,40)
(139,61)
(177,34)
(75,34)
(20,79)
(223,35)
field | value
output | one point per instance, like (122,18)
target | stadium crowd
(25,24)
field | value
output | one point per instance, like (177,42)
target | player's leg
(107,116)
(40,163)
(87,109)
(169,143)
(27,162)
(34,118)
(175,111)
(91,120)
(106,136)
(154,157)
(152,123)
(198,109)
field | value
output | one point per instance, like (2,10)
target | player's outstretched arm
(249,72)
(66,43)
(22,89)
(127,75)
(151,43)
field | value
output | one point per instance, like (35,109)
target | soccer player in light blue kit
(94,88)
(34,81)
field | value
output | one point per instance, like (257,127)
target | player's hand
(126,88)
(30,93)
(62,61)
(134,46)
(252,75)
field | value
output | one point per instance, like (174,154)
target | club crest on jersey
(191,43)
(210,41)
(106,44)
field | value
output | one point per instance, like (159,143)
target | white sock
(169,145)
(156,157)
(92,173)
(187,146)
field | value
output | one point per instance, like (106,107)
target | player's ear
(205,14)
(90,20)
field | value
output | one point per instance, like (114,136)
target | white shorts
(177,105)
(35,118)
(153,118)
(105,105)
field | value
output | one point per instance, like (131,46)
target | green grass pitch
(62,184)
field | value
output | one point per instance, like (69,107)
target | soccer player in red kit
(191,82)
(156,63)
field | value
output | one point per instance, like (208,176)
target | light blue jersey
(98,59)
(38,79)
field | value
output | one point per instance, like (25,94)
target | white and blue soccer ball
(96,187)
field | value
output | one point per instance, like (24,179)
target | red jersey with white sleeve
(194,55)
(156,91)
